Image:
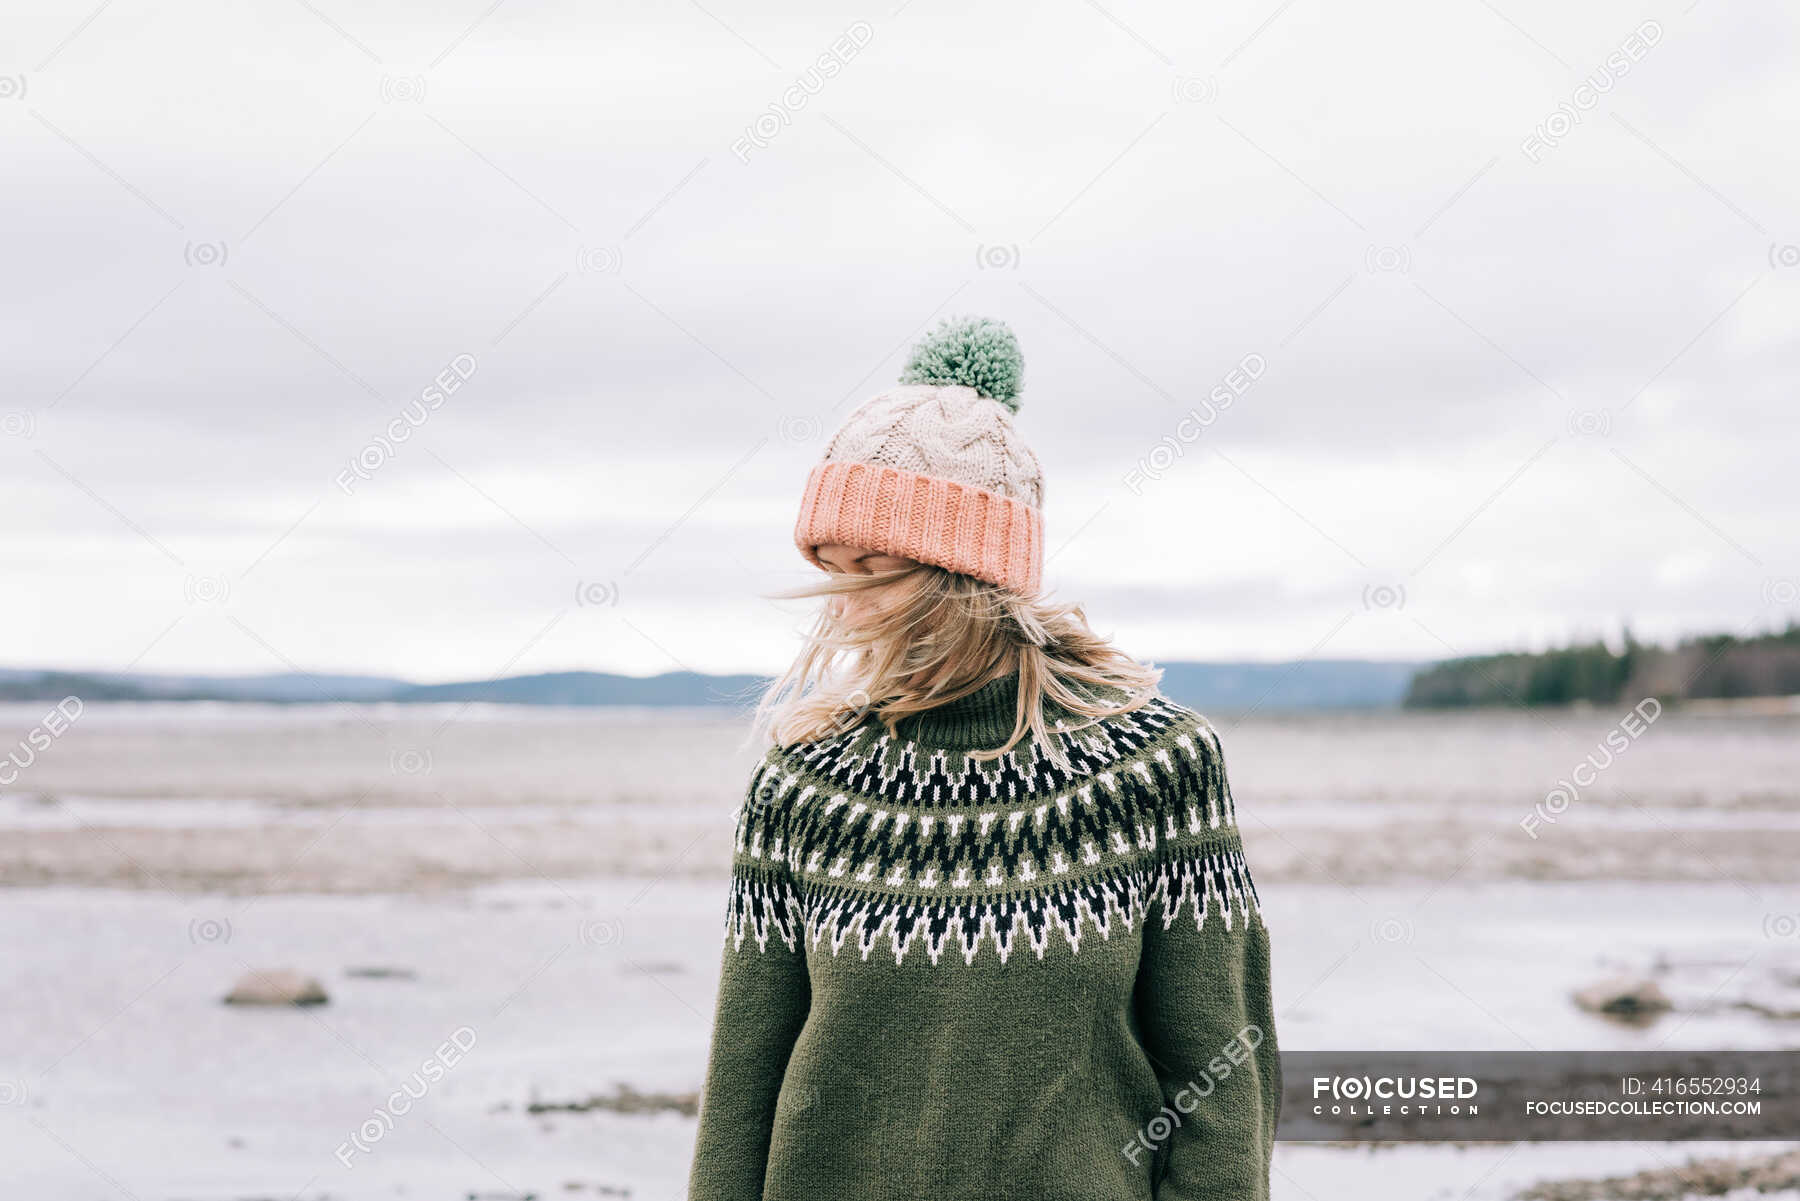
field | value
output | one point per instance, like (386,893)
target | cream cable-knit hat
(933,470)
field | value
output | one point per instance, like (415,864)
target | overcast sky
(1524,350)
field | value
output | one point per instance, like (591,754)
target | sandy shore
(261,848)
(551,883)
(116,1054)
(403,799)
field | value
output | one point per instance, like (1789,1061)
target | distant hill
(1309,684)
(1716,666)
(19,684)
(593,688)
(1318,684)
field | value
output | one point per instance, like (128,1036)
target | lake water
(549,883)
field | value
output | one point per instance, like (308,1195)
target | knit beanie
(933,470)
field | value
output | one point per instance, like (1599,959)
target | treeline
(1719,665)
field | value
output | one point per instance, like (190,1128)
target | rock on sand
(277,987)
(1625,998)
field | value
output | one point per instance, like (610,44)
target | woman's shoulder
(801,756)
(786,770)
(1172,752)
(1159,719)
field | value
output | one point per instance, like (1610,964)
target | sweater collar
(980,721)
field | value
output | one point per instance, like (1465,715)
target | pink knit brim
(950,525)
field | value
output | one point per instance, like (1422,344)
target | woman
(991,931)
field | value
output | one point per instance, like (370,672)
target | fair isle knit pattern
(948,978)
(905,848)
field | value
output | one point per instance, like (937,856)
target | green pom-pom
(975,351)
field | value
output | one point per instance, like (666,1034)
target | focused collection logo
(1367,1096)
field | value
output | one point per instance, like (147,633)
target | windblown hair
(931,636)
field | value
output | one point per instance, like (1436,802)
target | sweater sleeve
(764,998)
(1203,999)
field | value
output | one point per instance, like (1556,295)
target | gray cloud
(1544,395)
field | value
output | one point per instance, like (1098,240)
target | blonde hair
(933,636)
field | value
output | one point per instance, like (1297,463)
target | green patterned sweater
(954,978)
